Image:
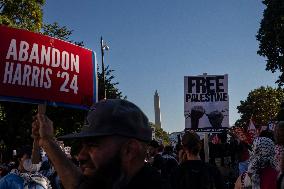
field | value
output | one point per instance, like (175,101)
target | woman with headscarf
(262,173)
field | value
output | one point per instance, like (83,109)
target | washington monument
(157,110)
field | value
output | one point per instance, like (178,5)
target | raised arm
(69,174)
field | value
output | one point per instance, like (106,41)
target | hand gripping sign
(36,68)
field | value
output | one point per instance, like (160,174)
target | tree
(112,91)
(25,14)
(60,32)
(160,134)
(271,37)
(262,105)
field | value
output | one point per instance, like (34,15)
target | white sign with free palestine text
(206,101)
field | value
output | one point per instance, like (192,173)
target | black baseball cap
(114,117)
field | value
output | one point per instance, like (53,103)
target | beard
(108,176)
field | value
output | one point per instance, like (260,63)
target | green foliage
(112,92)
(271,37)
(66,120)
(15,127)
(60,32)
(262,104)
(54,30)
(162,135)
(25,14)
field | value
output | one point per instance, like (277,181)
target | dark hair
(168,149)
(268,134)
(24,150)
(191,141)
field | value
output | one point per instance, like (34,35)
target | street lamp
(103,48)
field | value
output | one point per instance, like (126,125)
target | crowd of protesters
(117,151)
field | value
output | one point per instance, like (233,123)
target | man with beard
(114,141)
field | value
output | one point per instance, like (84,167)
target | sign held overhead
(36,68)
(206,101)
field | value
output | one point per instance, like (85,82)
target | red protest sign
(37,68)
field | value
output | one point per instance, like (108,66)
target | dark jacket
(147,178)
(195,174)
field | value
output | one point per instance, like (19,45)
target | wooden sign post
(206,148)
(41,108)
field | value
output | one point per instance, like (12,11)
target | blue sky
(155,43)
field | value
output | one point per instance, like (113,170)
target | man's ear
(130,150)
